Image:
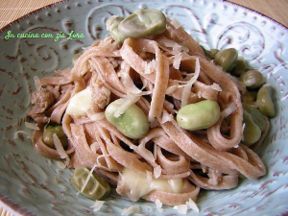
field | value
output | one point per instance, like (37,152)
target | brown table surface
(11,10)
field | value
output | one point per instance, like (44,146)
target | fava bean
(48,132)
(142,23)
(249,97)
(96,187)
(265,101)
(112,26)
(211,53)
(133,123)
(201,115)
(260,119)
(240,67)
(252,79)
(226,58)
(252,131)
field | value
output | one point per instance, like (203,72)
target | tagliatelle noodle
(158,74)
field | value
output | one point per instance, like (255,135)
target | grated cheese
(130,210)
(243,128)
(181,209)
(159,205)
(59,147)
(127,80)
(192,205)
(127,102)
(166,117)
(88,177)
(231,108)
(37,83)
(97,205)
(31,126)
(60,164)
(157,171)
(96,116)
(187,88)
(216,87)
(150,67)
(177,60)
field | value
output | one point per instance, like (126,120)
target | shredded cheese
(243,128)
(60,164)
(192,205)
(157,171)
(59,147)
(181,209)
(88,177)
(159,205)
(97,205)
(131,99)
(31,126)
(231,108)
(166,117)
(150,67)
(130,210)
(37,83)
(127,80)
(96,116)
(177,60)
(187,88)
(216,87)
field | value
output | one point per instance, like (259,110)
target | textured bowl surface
(33,185)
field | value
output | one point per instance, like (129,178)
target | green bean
(142,23)
(201,115)
(226,58)
(240,67)
(133,123)
(252,79)
(112,26)
(265,101)
(252,131)
(48,132)
(96,187)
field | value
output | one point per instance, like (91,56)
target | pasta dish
(150,112)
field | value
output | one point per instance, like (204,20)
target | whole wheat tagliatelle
(159,74)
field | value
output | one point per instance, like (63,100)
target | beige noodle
(160,74)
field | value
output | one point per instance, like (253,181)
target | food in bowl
(150,112)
